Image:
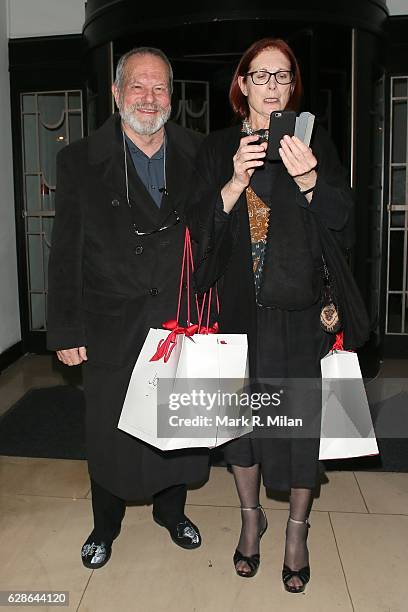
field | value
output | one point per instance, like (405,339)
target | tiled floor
(358,539)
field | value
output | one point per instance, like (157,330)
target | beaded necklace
(248,130)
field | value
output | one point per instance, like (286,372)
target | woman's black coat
(223,240)
(108,286)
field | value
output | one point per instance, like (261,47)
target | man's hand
(72,356)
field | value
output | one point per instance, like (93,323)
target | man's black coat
(108,286)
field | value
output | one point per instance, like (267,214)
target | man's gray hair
(121,67)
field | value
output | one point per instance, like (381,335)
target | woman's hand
(299,161)
(248,157)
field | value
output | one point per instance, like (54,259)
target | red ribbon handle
(186,266)
(207,298)
(166,346)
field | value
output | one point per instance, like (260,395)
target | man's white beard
(145,128)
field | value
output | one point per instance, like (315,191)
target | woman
(259,228)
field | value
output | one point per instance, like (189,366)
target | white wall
(9,309)
(397,7)
(45,17)
(51,17)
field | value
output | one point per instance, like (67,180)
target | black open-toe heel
(252,561)
(303,574)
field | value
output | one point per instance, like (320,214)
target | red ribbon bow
(165,347)
(213,329)
(338,344)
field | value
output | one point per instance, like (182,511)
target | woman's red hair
(237,99)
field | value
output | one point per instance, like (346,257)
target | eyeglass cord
(164,190)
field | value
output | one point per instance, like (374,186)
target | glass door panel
(397,265)
(50,120)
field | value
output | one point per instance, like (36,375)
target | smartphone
(281,123)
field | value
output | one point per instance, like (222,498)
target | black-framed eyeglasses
(159,229)
(262,77)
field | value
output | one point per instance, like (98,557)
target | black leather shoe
(95,553)
(184,533)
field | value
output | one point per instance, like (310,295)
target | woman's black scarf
(292,270)
(291,279)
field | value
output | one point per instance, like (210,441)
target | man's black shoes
(95,553)
(184,533)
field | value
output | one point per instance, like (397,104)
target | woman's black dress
(289,346)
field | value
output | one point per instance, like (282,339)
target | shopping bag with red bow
(188,360)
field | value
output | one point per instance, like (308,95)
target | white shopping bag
(213,356)
(222,358)
(141,396)
(345,410)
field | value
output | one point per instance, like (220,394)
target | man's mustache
(147,107)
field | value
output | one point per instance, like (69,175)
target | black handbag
(329,315)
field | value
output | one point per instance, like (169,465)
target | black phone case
(281,123)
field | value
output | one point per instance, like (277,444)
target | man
(114,273)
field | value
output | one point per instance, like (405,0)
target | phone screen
(281,123)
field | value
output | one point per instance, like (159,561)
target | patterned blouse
(258,213)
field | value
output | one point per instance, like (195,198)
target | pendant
(329,318)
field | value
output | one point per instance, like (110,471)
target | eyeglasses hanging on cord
(162,190)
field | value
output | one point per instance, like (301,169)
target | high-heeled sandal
(303,574)
(252,561)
